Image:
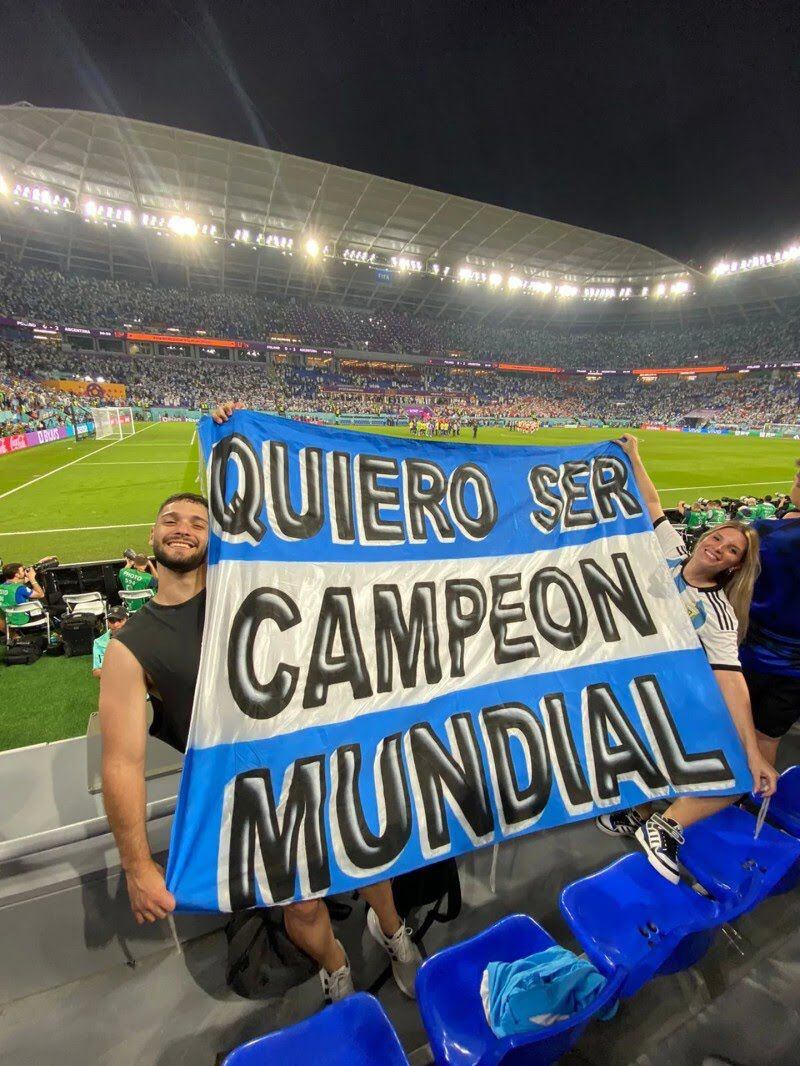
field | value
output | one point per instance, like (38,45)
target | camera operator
(137,575)
(19,586)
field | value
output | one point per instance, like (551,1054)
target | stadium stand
(49,296)
(751,400)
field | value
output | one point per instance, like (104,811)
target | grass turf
(92,499)
(48,700)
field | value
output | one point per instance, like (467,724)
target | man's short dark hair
(10,571)
(190,497)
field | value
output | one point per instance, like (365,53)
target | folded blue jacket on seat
(539,991)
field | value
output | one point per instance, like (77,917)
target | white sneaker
(337,985)
(402,951)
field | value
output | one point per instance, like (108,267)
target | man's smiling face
(180,536)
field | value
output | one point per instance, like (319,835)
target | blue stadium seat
(784,808)
(449,999)
(738,870)
(353,1032)
(629,917)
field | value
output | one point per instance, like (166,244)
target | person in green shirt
(715,514)
(117,617)
(18,586)
(765,509)
(693,518)
(138,575)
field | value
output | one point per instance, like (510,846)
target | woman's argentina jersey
(709,610)
(773,635)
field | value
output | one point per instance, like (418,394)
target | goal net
(781,429)
(112,422)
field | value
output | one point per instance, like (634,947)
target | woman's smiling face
(721,550)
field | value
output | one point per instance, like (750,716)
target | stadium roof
(155,168)
(382,243)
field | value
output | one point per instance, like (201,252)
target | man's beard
(185,565)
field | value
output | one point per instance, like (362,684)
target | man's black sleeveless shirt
(166,642)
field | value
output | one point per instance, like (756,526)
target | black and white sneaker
(620,823)
(661,837)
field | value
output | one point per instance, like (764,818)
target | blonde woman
(715,584)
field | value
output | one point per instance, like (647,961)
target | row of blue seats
(633,924)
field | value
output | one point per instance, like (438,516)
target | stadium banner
(413,649)
(20,441)
(93,390)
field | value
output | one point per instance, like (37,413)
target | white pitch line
(73,529)
(141,462)
(80,459)
(194,438)
(726,485)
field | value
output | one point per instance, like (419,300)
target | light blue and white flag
(413,649)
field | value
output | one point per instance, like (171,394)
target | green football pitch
(90,500)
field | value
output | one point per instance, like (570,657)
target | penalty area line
(65,466)
(72,529)
(723,485)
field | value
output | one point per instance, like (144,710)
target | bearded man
(158,652)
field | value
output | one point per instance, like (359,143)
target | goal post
(790,430)
(112,422)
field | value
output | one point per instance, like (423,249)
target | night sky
(674,124)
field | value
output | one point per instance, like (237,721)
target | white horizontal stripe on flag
(220,720)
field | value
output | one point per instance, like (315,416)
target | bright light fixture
(495,278)
(182,226)
(312,248)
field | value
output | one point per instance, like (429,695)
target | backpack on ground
(262,960)
(77,634)
(436,886)
(23,652)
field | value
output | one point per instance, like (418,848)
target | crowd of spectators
(47,296)
(748,400)
(703,514)
(25,403)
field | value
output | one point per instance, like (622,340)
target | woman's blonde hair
(739,585)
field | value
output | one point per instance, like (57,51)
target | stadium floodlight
(312,247)
(5,189)
(660,290)
(567,291)
(514,282)
(404,263)
(182,226)
(40,196)
(680,288)
(495,279)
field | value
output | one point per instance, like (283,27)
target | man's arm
(123,726)
(37,592)
(734,690)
